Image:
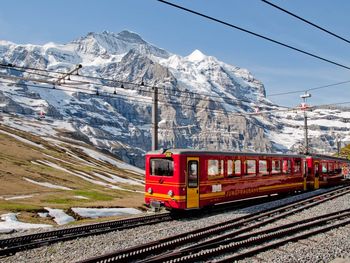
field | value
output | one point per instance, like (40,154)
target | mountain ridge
(204,102)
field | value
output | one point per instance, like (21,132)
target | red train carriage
(325,170)
(192,179)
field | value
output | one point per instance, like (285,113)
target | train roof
(210,152)
(334,158)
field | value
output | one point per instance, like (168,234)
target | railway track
(279,235)
(10,246)
(190,242)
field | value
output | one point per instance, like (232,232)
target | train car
(325,171)
(193,179)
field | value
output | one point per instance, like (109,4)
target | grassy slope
(16,162)
(345,152)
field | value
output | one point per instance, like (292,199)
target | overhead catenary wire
(306,21)
(255,34)
(226,113)
(106,94)
(147,101)
(62,87)
(134,98)
(76,89)
(307,90)
(182,94)
(167,103)
(23,70)
(113,82)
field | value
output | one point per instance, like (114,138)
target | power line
(25,70)
(113,82)
(166,103)
(316,88)
(106,94)
(306,21)
(62,87)
(254,34)
(85,91)
(134,98)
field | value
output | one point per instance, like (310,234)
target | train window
(324,168)
(337,168)
(287,167)
(162,167)
(263,167)
(330,168)
(297,166)
(250,167)
(238,167)
(275,166)
(232,170)
(215,168)
(192,174)
(317,169)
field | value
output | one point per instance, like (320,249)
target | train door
(305,173)
(316,175)
(192,182)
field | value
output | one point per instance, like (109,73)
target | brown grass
(16,163)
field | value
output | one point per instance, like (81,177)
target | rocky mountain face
(203,102)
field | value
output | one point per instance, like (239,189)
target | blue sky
(280,69)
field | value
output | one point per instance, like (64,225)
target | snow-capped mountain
(203,101)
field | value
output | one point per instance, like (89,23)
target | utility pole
(155,119)
(338,144)
(304,107)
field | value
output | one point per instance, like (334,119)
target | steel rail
(166,244)
(254,251)
(269,219)
(218,248)
(10,246)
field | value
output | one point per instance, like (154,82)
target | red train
(192,179)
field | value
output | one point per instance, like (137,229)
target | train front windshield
(162,167)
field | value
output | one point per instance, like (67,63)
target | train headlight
(170,193)
(150,190)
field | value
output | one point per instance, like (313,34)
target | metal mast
(155,119)
(304,107)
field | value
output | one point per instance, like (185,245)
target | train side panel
(255,176)
(185,179)
(325,172)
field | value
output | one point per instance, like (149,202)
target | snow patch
(80,197)
(117,179)
(99,156)
(17,197)
(196,56)
(46,184)
(60,217)
(23,140)
(43,214)
(11,223)
(103,212)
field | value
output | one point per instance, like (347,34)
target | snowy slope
(200,99)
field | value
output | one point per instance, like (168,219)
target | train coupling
(155,206)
